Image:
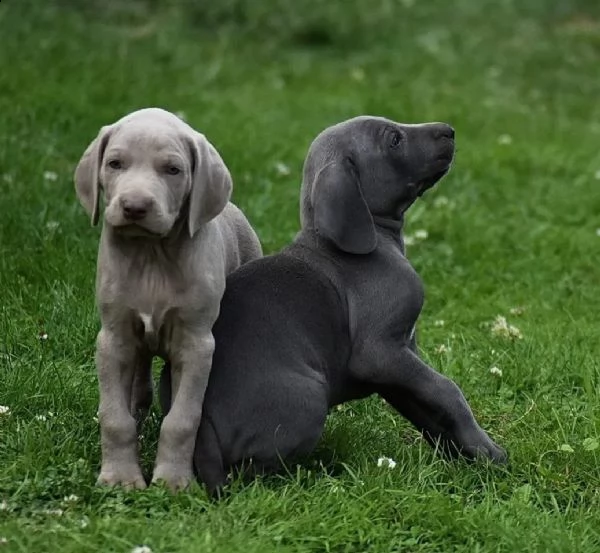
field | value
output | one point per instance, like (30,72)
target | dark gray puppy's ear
(340,211)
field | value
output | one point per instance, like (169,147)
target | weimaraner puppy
(332,317)
(169,238)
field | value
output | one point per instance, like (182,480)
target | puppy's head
(153,169)
(370,167)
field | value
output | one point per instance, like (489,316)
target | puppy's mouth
(427,183)
(134,230)
(445,162)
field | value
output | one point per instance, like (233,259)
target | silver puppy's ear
(340,211)
(211,184)
(87,175)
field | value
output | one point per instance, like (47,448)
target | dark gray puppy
(332,317)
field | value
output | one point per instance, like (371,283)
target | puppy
(169,238)
(332,317)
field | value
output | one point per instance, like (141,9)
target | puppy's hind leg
(285,424)
(291,422)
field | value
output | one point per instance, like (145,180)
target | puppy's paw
(487,450)
(497,454)
(175,478)
(126,476)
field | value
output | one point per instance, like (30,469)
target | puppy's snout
(135,209)
(441,130)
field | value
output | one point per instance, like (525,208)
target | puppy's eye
(172,170)
(395,139)
(115,164)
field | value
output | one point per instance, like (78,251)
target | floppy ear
(211,183)
(340,211)
(87,175)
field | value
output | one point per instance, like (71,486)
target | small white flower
(386,462)
(282,169)
(495,371)
(141,549)
(500,327)
(4,410)
(598,232)
(53,512)
(441,201)
(181,115)
(42,418)
(519,310)
(84,522)
(505,139)
(409,240)
(3,540)
(596,175)
(52,225)
(70,498)
(439,322)
(50,175)
(43,336)
(421,234)
(443,348)
(357,74)
(3,505)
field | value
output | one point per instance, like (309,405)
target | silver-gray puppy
(331,317)
(169,238)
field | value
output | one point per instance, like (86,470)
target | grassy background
(515,224)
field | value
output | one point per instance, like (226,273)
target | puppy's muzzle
(136,209)
(443,143)
(441,130)
(443,136)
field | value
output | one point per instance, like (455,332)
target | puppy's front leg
(116,362)
(431,401)
(191,361)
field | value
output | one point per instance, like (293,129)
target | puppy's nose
(137,209)
(441,130)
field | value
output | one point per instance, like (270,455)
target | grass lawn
(513,231)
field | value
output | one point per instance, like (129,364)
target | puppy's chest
(150,303)
(406,291)
(391,295)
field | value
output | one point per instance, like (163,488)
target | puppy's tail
(208,459)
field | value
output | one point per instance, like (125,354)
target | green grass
(514,224)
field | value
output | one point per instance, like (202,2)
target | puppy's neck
(388,223)
(391,227)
